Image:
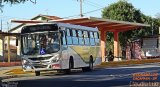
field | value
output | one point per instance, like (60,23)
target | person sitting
(110,56)
(43,42)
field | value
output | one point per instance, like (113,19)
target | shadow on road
(108,77)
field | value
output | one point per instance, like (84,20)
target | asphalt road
(107,77)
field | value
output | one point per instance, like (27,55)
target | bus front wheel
(71,66)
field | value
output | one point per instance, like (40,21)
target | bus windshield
(40,43)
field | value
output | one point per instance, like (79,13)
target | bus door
(64,46)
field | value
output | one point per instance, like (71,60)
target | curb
(142,64)
(14,76)
(103,66)
(7,77)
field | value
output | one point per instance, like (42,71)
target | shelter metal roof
(101,23)
(3,34)
(8,34)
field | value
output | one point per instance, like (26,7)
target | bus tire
(90,67)
(71,66)
(37,73)
(60,71)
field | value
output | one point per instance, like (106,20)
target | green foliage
(124,11)
(14,1)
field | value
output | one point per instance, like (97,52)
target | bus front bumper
(40,67)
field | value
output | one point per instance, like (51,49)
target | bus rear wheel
(37,73)
(90,67)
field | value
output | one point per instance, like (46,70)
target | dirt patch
(17,71)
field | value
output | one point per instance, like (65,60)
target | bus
(59,46)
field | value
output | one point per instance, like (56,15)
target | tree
(13,2)
(124,11)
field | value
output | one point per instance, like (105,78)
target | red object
(7,64)
(56,66)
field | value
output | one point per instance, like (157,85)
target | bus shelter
(104,25)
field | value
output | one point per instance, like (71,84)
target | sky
(68,9)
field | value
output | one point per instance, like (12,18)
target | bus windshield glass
(40,43)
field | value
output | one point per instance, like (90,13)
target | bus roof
(66,25)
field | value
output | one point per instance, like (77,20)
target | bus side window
(86,37)
(75,38)
(69,37)
(96,36)
(92,42)
(80,35)
(63,37)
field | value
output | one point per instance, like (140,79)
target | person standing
(128,51)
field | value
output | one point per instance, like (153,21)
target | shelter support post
(8,41)
(3,48)
(18,48)
(159,39)
(103,45)
(116,47)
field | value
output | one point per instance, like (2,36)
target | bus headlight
(55,58)
(25,62)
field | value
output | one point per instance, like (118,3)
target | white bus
(59,46)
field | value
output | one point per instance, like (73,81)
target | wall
(150,47)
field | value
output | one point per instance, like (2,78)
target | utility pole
(81,13)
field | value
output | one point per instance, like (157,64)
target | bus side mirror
(16,41)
